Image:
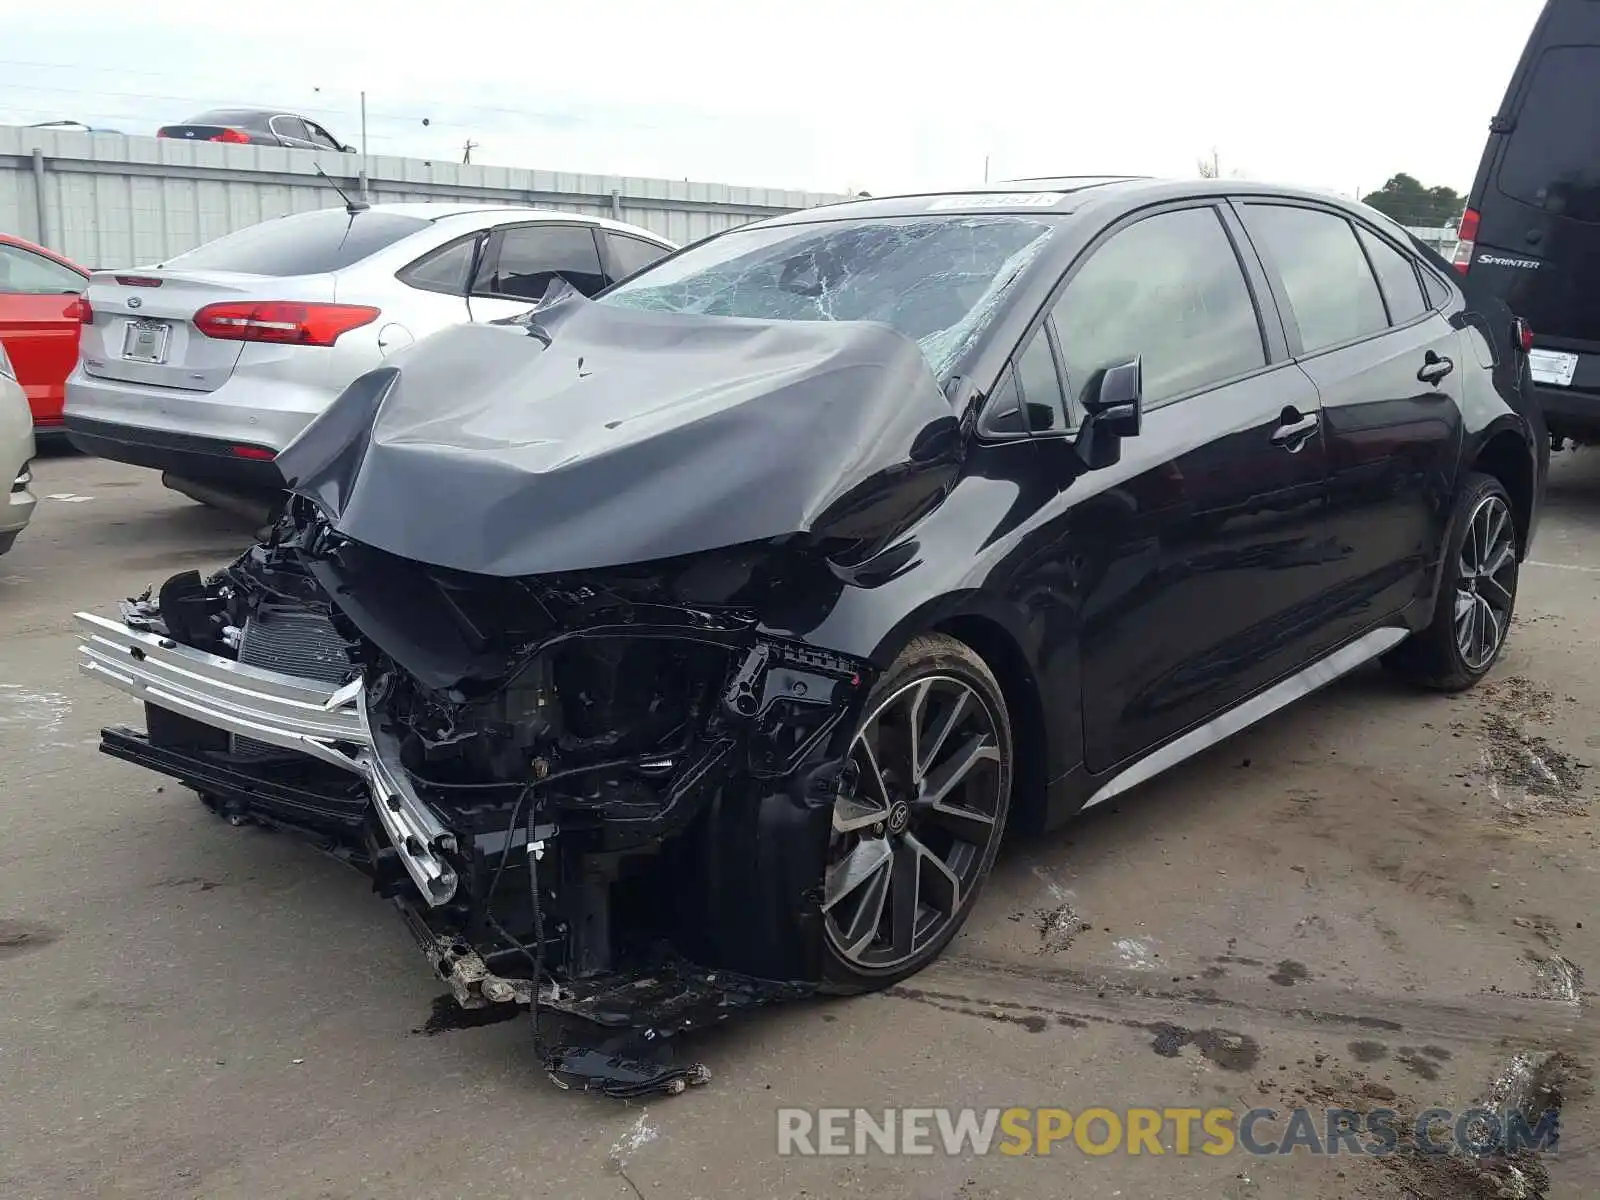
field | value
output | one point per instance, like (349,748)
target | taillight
(286,322)
(1466,238)
(162,133)
(84,311)
(138,281)
(1522,334)
(260,453)
(237,136)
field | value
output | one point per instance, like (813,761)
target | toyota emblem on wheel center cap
(899,816)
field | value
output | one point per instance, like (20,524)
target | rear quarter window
(303,244)
(1552,156)
(1438,290)
(1397,276)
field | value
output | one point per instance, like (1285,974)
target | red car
(41,317)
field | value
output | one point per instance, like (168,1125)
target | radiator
(295,641)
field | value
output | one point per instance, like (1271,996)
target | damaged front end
(605,794)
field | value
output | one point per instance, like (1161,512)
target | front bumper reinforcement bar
(331,724)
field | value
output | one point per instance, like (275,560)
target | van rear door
(1531,235)
(1541,241)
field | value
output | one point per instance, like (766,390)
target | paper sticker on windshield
(999,200)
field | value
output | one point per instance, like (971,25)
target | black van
(1531,232)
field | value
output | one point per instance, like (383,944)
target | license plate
(146,341)
(1552,366)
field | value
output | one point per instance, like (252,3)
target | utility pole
(986,168)
(1216,164)
(364,145)
(466,152)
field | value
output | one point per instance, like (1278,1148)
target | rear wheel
(914,840)
(1477,594)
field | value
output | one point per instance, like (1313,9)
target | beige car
(16,451)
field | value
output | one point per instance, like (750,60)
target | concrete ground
(1375,899)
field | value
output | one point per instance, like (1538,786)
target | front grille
(295,641)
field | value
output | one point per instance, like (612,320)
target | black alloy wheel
(915,837)
(1486,580)
(1477,594)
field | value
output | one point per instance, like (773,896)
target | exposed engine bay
(563,638)
(604,794)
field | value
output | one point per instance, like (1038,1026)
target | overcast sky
(821,94)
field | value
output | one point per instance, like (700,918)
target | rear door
(291,131)
(1388,370)
(520,262)
(39,324)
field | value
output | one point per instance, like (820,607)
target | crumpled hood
(630,436)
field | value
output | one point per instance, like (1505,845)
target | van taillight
(1466,237)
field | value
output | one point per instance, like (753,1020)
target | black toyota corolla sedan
(693,646)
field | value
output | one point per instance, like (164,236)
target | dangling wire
(538,937)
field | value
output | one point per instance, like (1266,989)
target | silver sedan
(207,365)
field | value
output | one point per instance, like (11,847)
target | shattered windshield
(937,280)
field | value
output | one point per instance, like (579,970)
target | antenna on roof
(350,206)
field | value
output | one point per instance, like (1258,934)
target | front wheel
(1477,594)
(914,839)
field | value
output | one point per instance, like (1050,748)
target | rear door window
(1552,157)
(528,257)
(321,136)
(292,128)
(1170,290)
(1332,291)
(630,254)
(1397,275)
(303,244)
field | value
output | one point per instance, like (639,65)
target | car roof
(22,243)
(1055,194)
(493,214)
(213,116)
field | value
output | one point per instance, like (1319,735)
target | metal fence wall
(108,200)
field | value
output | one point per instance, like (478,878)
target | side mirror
(1115,404)
(348,150)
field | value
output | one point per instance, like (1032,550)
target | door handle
(1434,368)
(1295,431)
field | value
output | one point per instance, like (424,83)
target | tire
(1444,656)
(936,823)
